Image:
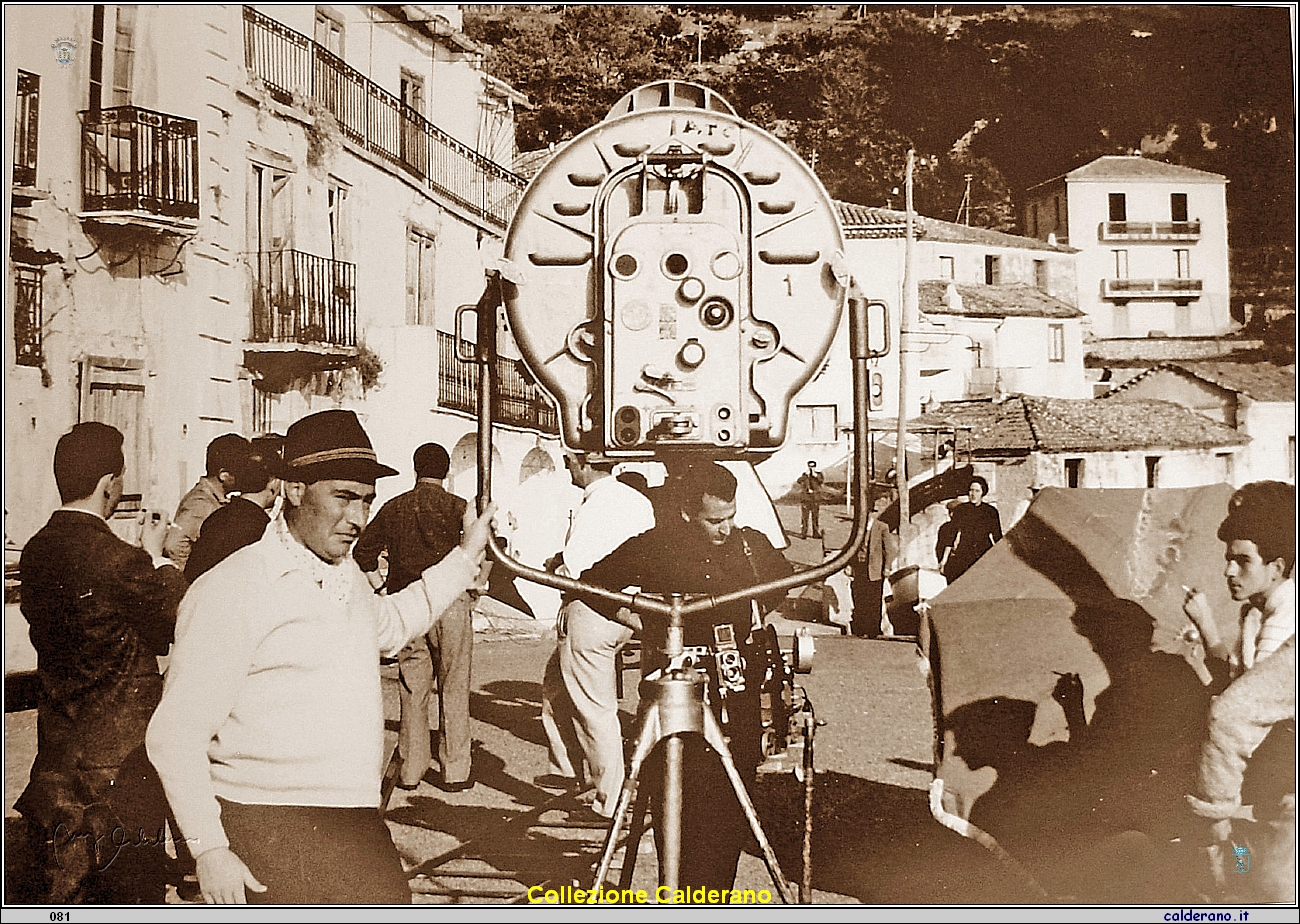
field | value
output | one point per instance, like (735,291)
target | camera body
(673,276)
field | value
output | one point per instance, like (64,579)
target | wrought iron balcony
(1150,231)
(520,401)
(301,298)
(1128,289)
(291,65)
(26,120)
(139,165)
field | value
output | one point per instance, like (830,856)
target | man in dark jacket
(243,519)
(100,611)
(702,551)
(416,530)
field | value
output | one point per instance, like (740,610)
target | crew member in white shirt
(579,690)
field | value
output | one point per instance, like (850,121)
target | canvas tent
(1089,582)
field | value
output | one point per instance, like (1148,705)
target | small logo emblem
(63,49)
(1243,858)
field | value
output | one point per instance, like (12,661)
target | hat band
(332,455)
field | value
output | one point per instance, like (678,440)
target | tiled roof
(1260,381)
(1150,351)
(1023,424)
(1129,167)
(987,301)
(866,221)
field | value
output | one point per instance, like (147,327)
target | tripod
(673,705)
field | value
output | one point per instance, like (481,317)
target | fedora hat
(331,446)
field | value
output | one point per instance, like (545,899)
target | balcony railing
(1125,289)
(26,119)
(135,160)
(300,298)
(1150,230)
(293,66)
(519,400)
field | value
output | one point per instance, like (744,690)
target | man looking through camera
(702,551)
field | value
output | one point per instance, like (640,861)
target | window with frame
(1153,471)
(1040,275)
(1056,346)
(420,253)
(329,33)
(121,47)
(29,297)
(947,268)
(336,201)
(1178,206)
(992,270)
(1121,263)
(1183,260)
(1074,473)
(26,121)
(1226,465)
(112,392)
(818,423)
(1118,206)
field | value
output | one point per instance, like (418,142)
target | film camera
(675,275)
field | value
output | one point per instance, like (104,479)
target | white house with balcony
(1152,240)
(996,318)
(226,217)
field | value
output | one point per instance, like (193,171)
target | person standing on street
(810,499)
(100,611)
(579,687)
(270,735)
(415,530)
(974,529)
(873,562)
(225,453)
(243,519)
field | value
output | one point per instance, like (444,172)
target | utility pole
(907,324)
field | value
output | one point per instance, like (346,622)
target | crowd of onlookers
(273,595)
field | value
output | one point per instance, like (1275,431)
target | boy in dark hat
(100,611)
(269,737)
(416,530)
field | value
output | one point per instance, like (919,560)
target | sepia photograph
(651,455)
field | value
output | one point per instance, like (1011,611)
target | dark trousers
(867,597)
(315,855)
(808,511)
(714,827)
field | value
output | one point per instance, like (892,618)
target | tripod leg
(636,831)
(713,735)
(670,820)
(647,738)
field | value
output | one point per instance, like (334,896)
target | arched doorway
(537,462)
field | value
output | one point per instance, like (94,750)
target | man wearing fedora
(269,736)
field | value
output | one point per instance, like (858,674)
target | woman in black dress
(973,530)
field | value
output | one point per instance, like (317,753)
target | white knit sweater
(272,693)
